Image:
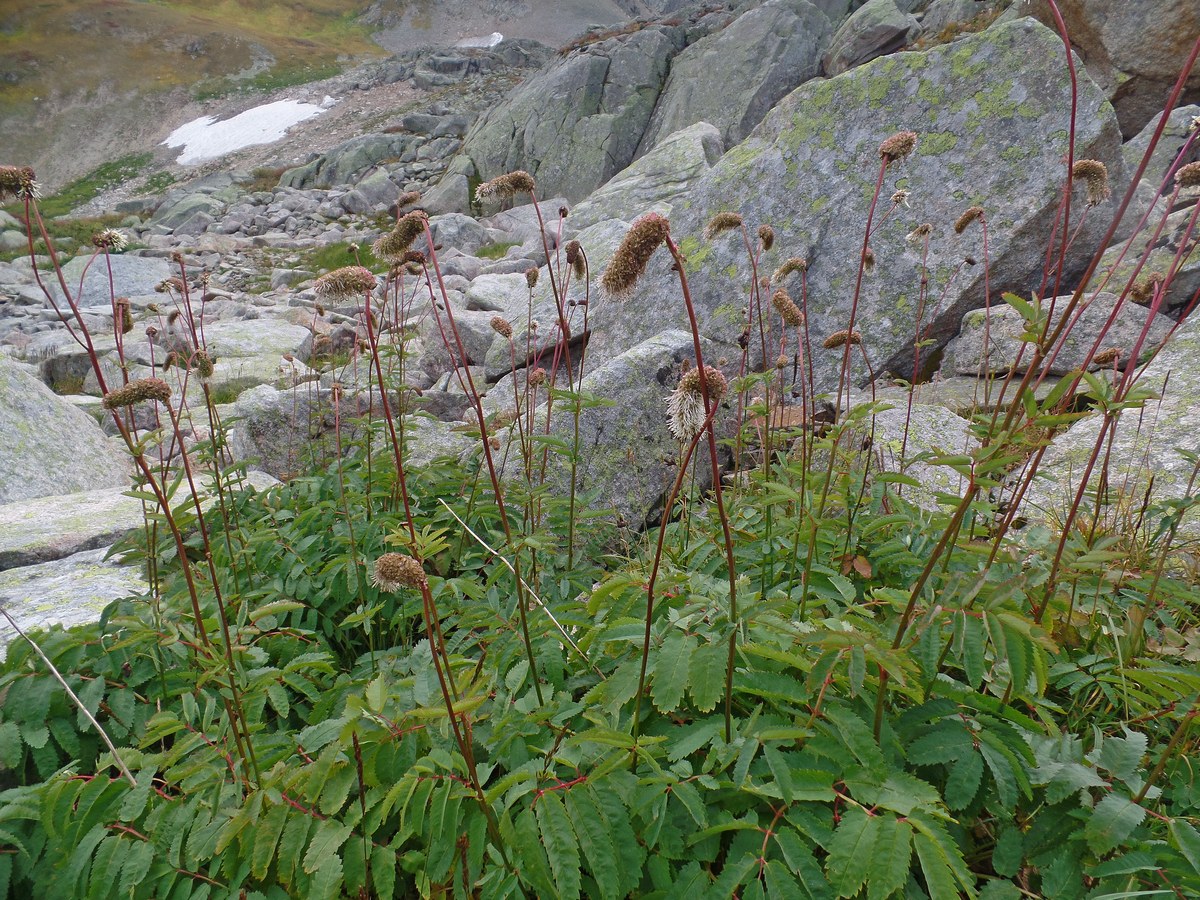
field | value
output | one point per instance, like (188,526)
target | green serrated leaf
(1008,852)
(326,883)
(10,745)
(596,841)
(890,857)
(850,849)
(962,784)
(137,863)
(327,840)
(707,675)
(562,849)
(671,670)
(266,836)
(939,879)
(1112,821)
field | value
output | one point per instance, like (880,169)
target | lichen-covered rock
(655,180)
(135,277)
(46,528)
(579,121)
(49,446)
(876,29)
(734,76)
(341,164)
(1134,50)
(1147,445)
(991,114)
(627,456)
(65,592)
(990,343)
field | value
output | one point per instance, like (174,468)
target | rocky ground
(636,118)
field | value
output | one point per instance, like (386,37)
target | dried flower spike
(109,239)
(531,277)
(898,146)
(868,260)
(1188,176)
(396,570)
(781,362)
(629,262)
(408,198)
(900,198)
(345,283)
(920,233)
(1094,175)
(394,245)
(19,183)
(1107,357)
(537,377)
(794,264)
(1143,289)
(964,221)
(575,259)
(204,365)
(766,236)
(138,392)
(506,186)
(502,326)
(722,221)
(787,308)
(841,338)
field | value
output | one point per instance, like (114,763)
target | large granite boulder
(656,180)
(990,342)
(135,277)
(734,76)
(991,112)
(878,28)
(346,161)
(1149,445)
(579,121)
(49,446)
(1134,50)
(46,528)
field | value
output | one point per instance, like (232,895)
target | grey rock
(504,294)
(278,431)
(878,28)
(49,446)
(341,164)
(655,180)
(809,171)
(172,215)
(132,276)
(197,223)
(1146,445)
(943,13)
(990,343)
(733,77)
(1135,51)
(51,527)
(579,121)
(66,592)
(12,240)
(458,231)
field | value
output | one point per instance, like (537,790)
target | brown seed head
(204,364)
(531,277)
(717,385)
(868,260)
(393,246)
(575,259)
(125,315)
(1144,288)
(137,392)
(898,146)
(781,362)
(722,221)
(766,236)
(900,198)
(1107,357)
(396,570)
(408,198)
(795,264)
(1094,175)
(537,377)
(502,326)
(167,285)
(345,283)
(18,183)
(841,338)
(629,262)
(1188,176)
(504,418)
(920,233)
(506,186)
(787,308)
(970,215)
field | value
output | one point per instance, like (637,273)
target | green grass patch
(100,179)
(334,256)
(495,251)
(156,184)
(69,236)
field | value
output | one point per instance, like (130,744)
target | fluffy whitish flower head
(685,405)
(396,570)
(346,283)
(110,239)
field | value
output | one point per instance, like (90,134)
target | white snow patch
(486,43)
(206,138)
